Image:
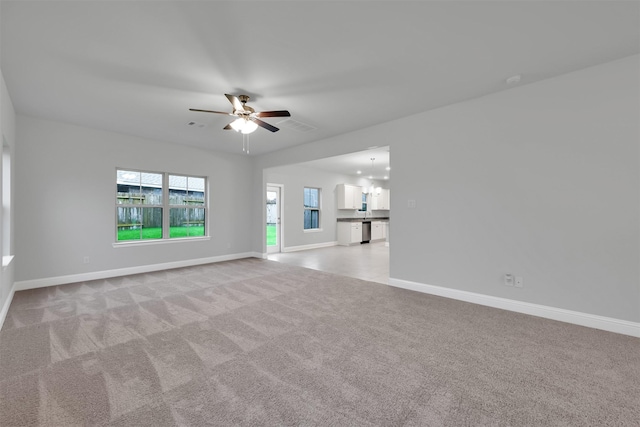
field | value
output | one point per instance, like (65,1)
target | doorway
(273,218)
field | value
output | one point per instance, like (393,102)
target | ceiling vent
(290,123)
(196,124)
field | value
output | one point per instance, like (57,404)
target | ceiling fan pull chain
(245,143)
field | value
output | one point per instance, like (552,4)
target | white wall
(65,197)
(7,136)
(541,181)
(294,178)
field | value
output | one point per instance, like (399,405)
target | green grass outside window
(156,233)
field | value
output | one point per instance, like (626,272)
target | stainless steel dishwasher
(366,231)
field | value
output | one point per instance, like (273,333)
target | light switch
(411,204)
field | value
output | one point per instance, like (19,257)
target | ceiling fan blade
(237,105)
(266,125)
(228,127)
(279,113)
(209,111)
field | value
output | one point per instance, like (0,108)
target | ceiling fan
(247,119)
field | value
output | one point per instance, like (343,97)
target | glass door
(273,219)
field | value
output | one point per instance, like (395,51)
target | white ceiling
(350,164)
(136,67)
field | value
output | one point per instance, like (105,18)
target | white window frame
(165,207)
(319,209)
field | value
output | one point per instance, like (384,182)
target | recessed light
(370,176)
(358,172)
(388,168)
(386,177)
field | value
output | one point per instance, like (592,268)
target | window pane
(124,195)
(195,191)
(128,177)
(139,188)
(177,189)
(184,222)
(196,222)
(311,219)
(129,224)
(151,188)
(178,217)
(128,183)
(311,197)
(139,223)
(150,196)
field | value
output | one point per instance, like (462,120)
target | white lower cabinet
(349,233)
(377,230)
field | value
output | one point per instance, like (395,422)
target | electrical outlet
(508,279)
(85,260)
(519,282)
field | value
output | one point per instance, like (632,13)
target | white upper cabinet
(349,196)
(380,201)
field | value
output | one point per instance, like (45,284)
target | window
(186,201)
(364,203)
(6,202)
(311,208)
(153,205)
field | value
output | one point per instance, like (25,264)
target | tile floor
(368,262)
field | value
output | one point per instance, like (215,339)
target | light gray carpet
(255,342)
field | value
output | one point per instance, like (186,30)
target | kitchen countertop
(373,218)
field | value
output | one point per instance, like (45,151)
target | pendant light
(371,188)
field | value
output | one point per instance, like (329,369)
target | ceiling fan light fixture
(243,125)
(249,127)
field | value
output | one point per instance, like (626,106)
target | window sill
(129,244)
(313,230)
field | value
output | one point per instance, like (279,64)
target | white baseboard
(96,275)
(5,306)
(306,247)
(583,319)
(259,255)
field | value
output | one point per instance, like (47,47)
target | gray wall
(65,196)
(294,178)
(541,181)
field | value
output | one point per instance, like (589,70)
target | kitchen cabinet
(380,201)
(377,230)
(349,196)
(349,233)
